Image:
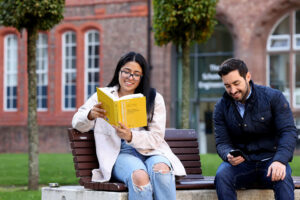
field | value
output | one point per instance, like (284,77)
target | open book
(130,110)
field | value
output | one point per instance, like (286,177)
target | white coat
(108,143)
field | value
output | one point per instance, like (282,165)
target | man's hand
(277,171)
(96,112)
(235,160)
(123,132)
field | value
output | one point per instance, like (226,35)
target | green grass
(14,194)
(53,168)
(59,168)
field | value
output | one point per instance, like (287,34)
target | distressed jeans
(229,178)
(161,185)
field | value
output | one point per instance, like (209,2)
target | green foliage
(182,20)
(27,13)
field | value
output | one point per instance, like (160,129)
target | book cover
(129,110)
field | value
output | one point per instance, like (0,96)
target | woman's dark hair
(144,86)
(232,64)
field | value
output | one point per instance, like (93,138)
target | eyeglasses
(126,74)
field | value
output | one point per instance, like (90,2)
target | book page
(133,112)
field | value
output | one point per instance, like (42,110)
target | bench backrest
(183,143)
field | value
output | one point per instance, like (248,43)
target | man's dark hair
(232,64)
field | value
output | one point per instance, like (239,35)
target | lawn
(59,168)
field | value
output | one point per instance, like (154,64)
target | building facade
(82,51)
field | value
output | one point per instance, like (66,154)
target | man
(257,122)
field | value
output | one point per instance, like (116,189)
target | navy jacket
(266,130)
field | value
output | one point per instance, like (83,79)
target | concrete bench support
(79,193)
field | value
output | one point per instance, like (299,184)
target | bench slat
(193,171)
(174,144)
(82,173)
(179,151)
(184,157)
(188,164)
(85,158)
(90,166)
(84,151)
(76,135)
(180,134)
(82,144)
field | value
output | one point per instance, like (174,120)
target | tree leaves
(26,13)
(179,20)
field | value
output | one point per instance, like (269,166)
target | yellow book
(130,110)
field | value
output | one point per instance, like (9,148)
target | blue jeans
(161,185)
(229,178)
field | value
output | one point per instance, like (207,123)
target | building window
(283,59)
(42,71)
(91,62)
(10,72)
(69,71)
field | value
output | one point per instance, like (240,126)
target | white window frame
(42,68)
(68,71)
(292,50)
(278,37)
(87,56)
(295,37)
(294,81)
(8,61)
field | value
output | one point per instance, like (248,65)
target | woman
(139,157)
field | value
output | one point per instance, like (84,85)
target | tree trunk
(185,85)
(32,127)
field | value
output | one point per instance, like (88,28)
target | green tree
(181,22)
(32,15)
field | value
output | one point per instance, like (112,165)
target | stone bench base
(79,193)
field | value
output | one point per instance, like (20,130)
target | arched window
(10,72)
(283,59)
(92,47)
(42,71)
(69,71)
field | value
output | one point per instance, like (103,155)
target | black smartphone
(236,153)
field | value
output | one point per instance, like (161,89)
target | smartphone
(236,153)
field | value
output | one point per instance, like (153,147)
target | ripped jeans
(161,186)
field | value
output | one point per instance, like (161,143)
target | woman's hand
(97,112)
(123,132)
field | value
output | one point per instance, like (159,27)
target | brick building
(82,51)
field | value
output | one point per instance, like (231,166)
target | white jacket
(108,142)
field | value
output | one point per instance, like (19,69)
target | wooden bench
(182,142)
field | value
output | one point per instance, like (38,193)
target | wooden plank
(193,171)
(185,151)
(81,173)
(80,166)
(84,151)
(193,176)
(296,181)
(76,135)
(188,164)
(183,157)
(82,144)
(174,144)
(180,134)
(85,158)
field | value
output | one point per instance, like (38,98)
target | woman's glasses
(135,76)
